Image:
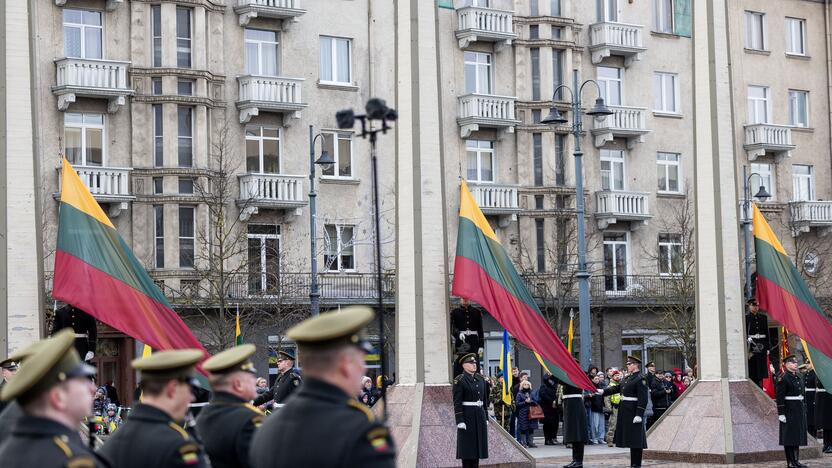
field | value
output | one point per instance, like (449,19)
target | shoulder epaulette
(254,409)
(361,407)
(80,462)
(63,446)
(179,429)
(458,378)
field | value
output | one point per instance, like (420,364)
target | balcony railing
(105,79)
(479,24)
(606,39)
(496,199)
(270,94)
(763,138)
(613,206)
(295,287)
(271,191)
(277,9)
(487,111)
(109,185)
(626,122)
(808,214)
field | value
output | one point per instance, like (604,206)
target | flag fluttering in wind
(785,296)
(238,337)
(768,382)
(483,273)
(97,272)
(505,365)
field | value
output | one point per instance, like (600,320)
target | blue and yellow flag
(505,365)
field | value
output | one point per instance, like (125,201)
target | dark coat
(548,395)
(150,437)
(574,416)
(322,426)
(793,431)
(627,433)
(757,324)
(811,381)
(226,427)
(46,443)
(471,442)
(823,408)
(467,319)
(80,322)
(8,419)
(658,393)
(523,421)
(285,384)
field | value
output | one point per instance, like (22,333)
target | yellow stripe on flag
(468,208)
(75,193)
(569,336)
(763,231)
(540,360)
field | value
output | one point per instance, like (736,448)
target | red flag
(768,382)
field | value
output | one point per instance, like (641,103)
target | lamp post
(600,110)
(761,195)
(325,159)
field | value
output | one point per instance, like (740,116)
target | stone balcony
(808,214)
(269,94)
(270,191)
(109,5)
(486,111)
(110,185)
(103,79)
(612,206)
(607,39)
(497,199)
(768,138)
(478,24)
(275,9)
(625,122)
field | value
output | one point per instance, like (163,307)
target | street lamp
(761,195)
(324,160)
(599,111)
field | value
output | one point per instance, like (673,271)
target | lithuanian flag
(483,273)
(238,336)
(97,272)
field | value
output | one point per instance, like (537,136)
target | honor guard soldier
(13,411)
(153,434)
(791,412)
(55,392)
(323,425)
(629,428)
(574,423)
(226,426)
(470,404)
(756,325)
(466,329)
(823,415)
(8,368)
(287,381)
(810,381)
(84,326)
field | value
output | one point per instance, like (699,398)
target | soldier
(810,379)
(502,410)
(466,329)
(823,415)
(8,369)
(756,327)
(227,424)
(287,381)
(470,388)
(324,409)
(791,412)
(55,394)
(629,428)
(84,326)
(574,423)
(13,411)
(153,434)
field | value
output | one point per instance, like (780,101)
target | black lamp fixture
(599,109)
(762,194)
(554,117)
(325,160)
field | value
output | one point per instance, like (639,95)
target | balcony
(478,24)
(500,200)
(270,191)
(612,206)
(109,5)
(109,185)
(768,138)
(485,111)
(625,122)
(607,39)
(276,9)
(289,287)
(269,94)
(809,214)
(104,79)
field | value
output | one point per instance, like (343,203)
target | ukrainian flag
(505,365)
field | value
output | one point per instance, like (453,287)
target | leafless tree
(812,252)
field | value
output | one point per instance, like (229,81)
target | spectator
(111,421)
(689,374)
(515,387)
(611,404)
(662,393)
(100,403)
(677,381)
(595,403)
(262,385)
(112,393)
(369,394)
(525,426)
(502,411)
(548,394)
(687,381)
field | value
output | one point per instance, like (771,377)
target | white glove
(750,340)
(637,420)
(89,355)
(599,391)
(782,418)
(479,351)
(462,337)
(462,426)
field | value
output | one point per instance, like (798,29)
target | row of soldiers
(796,393)
(53,394)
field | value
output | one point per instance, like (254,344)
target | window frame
(159,236)
(83,28)
(333,60)
(604,84)
(604,14)
(766,100)
(259,43)
(667,165)
(605,156)
(179,136)
(666,260)
(749,32)
(790,22)
(83,127)
(187,238)
(336,154)
(767,177)
(158,118)
(627,264)
(189,38)
(338,251)
(477,66)
(659,16)
(155,36)
(808,178)
(660,79)
(260,138)
(793,108)
(479,151)
(534,63)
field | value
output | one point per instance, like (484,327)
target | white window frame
(260,138)
(337,252)
(605,14)
(480,67)
(795,36)
(753,105)
(83,27)
(751,23)
(334,60)
(180,137)
(660,8)
(264,265)
(84,126)
(794,117)
(626,243)
(189,38)
(666,164)
(666,259)
(336,155)
(800,180)
(158,124)
(158,234)
(606,84)
(660,79)
(181,238)
(259,43)
(614,157)
(766,177)
(480,147)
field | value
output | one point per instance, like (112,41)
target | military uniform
(469,392)
(83,324)
(810,379)
(467,331)
(823,415)
(633,402)
(44,442)
(502,411)
(756,327)
(791,404)
(286,383)
(574,415)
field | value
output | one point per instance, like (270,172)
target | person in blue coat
(525,425)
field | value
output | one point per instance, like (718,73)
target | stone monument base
(721,422)
(421,420)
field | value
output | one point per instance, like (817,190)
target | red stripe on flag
(525,324)
(800,318)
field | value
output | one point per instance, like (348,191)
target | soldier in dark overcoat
(82,324)
(791,411)
(756,328)
(629,427)
(470,393)
(574,423)
(810,379)
(823,415)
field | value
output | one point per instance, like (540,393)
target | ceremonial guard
(470,389)
(466,328)
(153,434)
(84,326)
(574,423)
(55,394)
(791,412)
(288,380)
(226,426)
(8,368)
(823,415)
(756,327)
(323,424)
(629,427)
(810,379)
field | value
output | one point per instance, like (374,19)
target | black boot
(635,457)
(577,456)
(790,463)
(796,457)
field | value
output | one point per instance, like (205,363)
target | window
(609,79)
(538,202)
(477,72)
(671,260)
(540,231)
(262,53)
(186,186)
(156,33)
(534,32)
(84,139)
(615,261)
(156,85)
(755,33)
(766,179)
(263,258)
(534,9)
(185,123)
(339,146)
(536,116)
(803,183)
(668,172)
(339,246)
(537,157)
(535,59)
(185,87)
(560,160)
(262,150)
(607,10)
(158,140)
(557,71)
(183,37)
(758,105)
(83,33)
(612,169)
(795,36)
(480,160)
(557,33)
(336,60)
(554,8)
(158,187)
(186,236)
(666,92)
(159,235)
(798,108)
(562,226)
(663,16)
